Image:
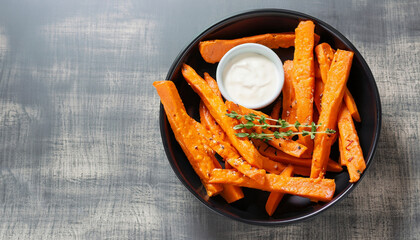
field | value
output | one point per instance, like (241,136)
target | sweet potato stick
(331,100)
(352,155)
(319,89)
(218,110)
(279,156)
(325,54)
(210,123)
(187,137)
(289,103)
(351,105)
(270,166)
(340,149)
(317,70)
(207,119)
(230,193)
(286,145)
(303,171)
(205,116)
(220,143)
(231,156)
(315,189)
(275,113)
(275,197)
(227,152)
(213,85)
(213,50)
(304,76)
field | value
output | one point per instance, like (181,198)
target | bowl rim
(272,11)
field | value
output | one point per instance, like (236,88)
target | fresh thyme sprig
(264,125)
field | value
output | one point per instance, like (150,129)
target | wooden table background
(81,155)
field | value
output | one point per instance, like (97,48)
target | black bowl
(361,84)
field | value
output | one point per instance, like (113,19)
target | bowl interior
(361,84)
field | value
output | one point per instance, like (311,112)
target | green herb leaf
(249,125)
(253,135)
(297,125)
(305,133)
(330,131)
(262,119)
(239,126)
(283,135)
(232,114)
(249,118)
(283,123)
(241,135)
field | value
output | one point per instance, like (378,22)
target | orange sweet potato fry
(317,70)
(273,167)
(210,123)
(230,193)
(340,149)
(304,76)
(275,113)
(286,145)
(315,189)
(187,137)
(351,105)
(289,101)
(275,197)
(213,50)
(227,152)
(319,89)
(325,54)
(279,156)
(218,110)
(233,159)
(351,152)
(213,85)
(303,171)
(331,100)
(207,119)
(277,167)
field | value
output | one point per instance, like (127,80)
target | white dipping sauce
(250,78)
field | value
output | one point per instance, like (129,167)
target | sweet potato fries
(314,88)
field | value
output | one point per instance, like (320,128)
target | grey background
(80,148)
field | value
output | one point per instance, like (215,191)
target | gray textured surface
(80,148)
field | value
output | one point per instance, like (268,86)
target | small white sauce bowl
(251,48)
